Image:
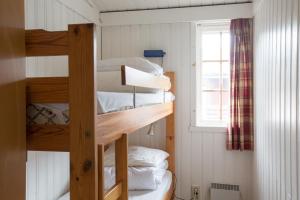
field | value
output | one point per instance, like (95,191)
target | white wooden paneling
(201,158)
(55,15)
(48,173)
(211,162)
(276,161)
(174,15)
(120,5)
(85,8)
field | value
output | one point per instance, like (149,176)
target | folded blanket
(139,178)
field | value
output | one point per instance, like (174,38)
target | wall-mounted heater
(154,53)
(224,192)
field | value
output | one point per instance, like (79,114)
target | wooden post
(83,149)
(12,101)
(170,127)
(101,181)
(122,165)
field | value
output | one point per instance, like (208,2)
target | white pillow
(137,156)
(114,64)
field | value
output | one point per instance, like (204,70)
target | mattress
(145,194)
(106,102)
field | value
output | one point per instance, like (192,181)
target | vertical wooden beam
(122,165)
(101,172)
(170,127)
(12,101)
(83,149)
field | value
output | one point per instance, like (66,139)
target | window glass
(215,75)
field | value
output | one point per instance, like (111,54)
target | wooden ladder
(86,149)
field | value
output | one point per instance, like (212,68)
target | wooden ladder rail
(120,189)
(82,102)
(86,153)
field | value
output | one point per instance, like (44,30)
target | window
(213,98)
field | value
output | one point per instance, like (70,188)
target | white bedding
(153,194)
(146,169)
(116,101)
(139,156)
(145,194)
(107,102)
(139,178)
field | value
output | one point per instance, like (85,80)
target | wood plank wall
(201,157)
(54,15)
(277,163)
(12,101)
(48,173)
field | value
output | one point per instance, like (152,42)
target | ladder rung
(47,90)
(46,43)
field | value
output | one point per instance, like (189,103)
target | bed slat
(47,90)
(46,43)
(133,77)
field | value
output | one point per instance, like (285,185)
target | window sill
(208,129)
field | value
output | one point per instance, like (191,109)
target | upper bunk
(78,90)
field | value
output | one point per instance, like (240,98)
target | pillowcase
(137,156)
(114,64)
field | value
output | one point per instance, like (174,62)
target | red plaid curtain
(240,132)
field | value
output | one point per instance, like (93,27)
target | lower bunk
(148,174)
(163,192)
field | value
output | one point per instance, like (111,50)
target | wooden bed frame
(87,133)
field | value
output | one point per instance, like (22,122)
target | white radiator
(224,192)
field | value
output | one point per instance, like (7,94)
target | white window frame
(202,126)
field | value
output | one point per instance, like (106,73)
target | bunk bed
(87,133)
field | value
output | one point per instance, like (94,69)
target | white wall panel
(277,153)
(48,173)
(201,158)
(54,15)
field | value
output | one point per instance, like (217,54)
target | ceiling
(123,5)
